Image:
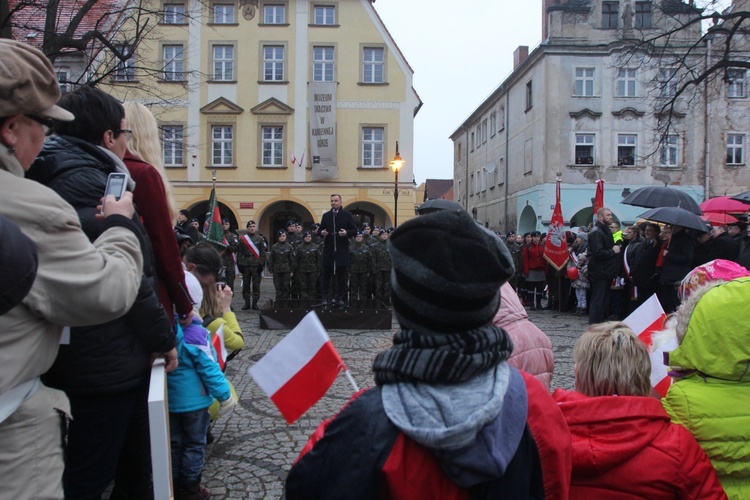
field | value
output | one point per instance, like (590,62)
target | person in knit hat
(448,416)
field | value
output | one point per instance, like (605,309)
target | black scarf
(448,358)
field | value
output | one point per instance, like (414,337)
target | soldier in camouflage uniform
(281,262)
(228,255)
(360,262)
(308,266)
(382,260)
(371,241)
(251,265)
(294,238)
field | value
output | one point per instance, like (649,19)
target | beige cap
(28,84)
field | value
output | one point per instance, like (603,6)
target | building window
(272,145)
(501,125)
(626,82)
(174,13)
(584,82)
(273,63)
(478,182)
(736,83)
(221,144)
(584,149)
(501,171)
(472,141)
(626,150)
(484,130)
(529,96)
(173,63)
(667,82)
(493,124)
(323,64)
(459,190)
(735,149)
(642,14)
(373,139)
(223,13)
(609,14)
(471,185)
(274,14)
(324,15)
(62,80)
(223,63)
(668,151)
(479,135)
(172,145)
(125,68)
(372,66)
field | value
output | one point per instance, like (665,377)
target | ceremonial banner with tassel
(556,245)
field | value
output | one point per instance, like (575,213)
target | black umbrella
(436,205)
(676,216)
(662,196)
(743,197)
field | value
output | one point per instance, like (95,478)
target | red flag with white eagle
(645,321)
(299,370)
(556,245)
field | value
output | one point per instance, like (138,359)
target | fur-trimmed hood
(714,331)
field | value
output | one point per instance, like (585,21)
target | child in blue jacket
(192,388)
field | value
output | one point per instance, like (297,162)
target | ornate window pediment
(585,112)
(272,107)
(221,106)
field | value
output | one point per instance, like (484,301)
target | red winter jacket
(624,447)
(533,258)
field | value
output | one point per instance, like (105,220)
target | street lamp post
(396,165)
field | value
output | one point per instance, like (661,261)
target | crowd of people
(611,272)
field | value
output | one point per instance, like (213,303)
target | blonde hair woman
(152,196)
(623,441)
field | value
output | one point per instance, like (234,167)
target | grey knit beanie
(447,272)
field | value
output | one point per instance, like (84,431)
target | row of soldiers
(295,262)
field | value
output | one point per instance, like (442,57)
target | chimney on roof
(519,55)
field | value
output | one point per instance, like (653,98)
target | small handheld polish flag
(221,351)
(299,370)
(645,321)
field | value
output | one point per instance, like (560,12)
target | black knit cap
(447,272)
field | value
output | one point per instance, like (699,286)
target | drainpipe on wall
(466,174)
(507,155)
(706,125)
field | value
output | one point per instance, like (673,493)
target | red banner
(599,197)
(556,245)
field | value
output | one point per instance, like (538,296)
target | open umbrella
(723,205)
(436,205)
(718,219)
(675,216)
(662,196)
(743,197)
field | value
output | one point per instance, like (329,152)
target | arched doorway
(527,221)
(364,211)
(583,217)
(278,214)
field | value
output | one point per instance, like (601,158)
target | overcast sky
(459,51)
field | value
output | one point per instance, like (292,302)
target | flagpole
(351,379)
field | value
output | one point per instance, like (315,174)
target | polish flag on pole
(299,370)
(645,321)
(221,351)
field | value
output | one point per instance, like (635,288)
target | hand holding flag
(644,321)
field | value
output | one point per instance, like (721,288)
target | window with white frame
(501,171)
(643,14)
(483,179)
(736,82)
(223,13)
(493,124)
(172,145)
(373,141)
(62,79)
(323,64)
(125,68)
(484,130)
(491,175)
(584,82)
(626,151)
(479,134)
(609,14)
(501,119)
(735,149)
(669,151)
(324,15)
(222,142)
(584,149)
(372,64)
(274,14)
(174,13)
(529,95)
(667,82)
(223,63)
(273,63)
(478,182)
(173,63)
(272,146)
(626,82)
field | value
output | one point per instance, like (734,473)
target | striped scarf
(447,358)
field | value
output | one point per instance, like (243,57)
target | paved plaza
(254,447)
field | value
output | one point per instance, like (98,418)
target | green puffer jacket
(713,403)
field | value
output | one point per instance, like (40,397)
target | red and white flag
(598,197)
(645,321)
(221,351)
(556,245)
(298,371)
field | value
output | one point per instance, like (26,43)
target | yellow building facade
(230,91)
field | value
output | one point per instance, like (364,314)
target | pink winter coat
(532,349)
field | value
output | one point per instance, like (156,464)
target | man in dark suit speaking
(337,226)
